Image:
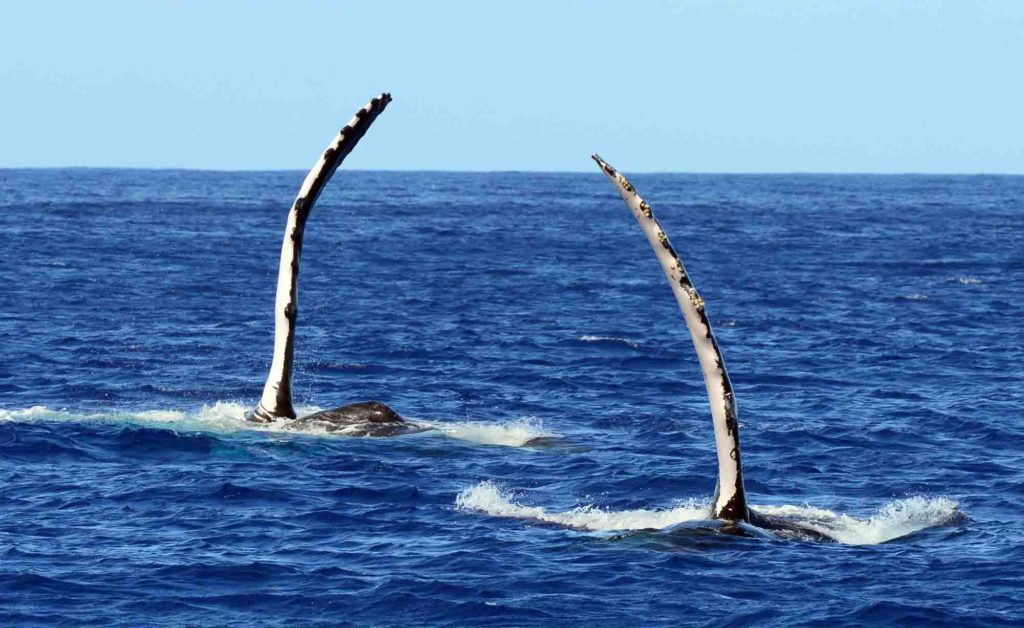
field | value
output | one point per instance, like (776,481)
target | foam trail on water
(894,520)
(487,498)
(221,417)
(225,417)
(518,433)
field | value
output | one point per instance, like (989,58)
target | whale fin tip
(605,166)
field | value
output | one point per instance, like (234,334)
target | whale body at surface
(370,418)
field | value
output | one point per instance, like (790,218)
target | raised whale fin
(276,401)
(730,502)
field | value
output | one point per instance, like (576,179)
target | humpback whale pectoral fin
(259,414)
(730,497)
(276,401)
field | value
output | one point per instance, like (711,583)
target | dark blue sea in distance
(872,326)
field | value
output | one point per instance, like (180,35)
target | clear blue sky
(697,86)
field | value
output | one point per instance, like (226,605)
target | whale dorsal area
(366,418)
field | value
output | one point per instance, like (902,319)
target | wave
(896,519)
(967,281)
(611,340)
(221,417)
(224,417)
(488,498)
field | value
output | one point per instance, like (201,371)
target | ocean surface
(872,327)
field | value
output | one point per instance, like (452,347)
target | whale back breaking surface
(276,401)
(366,418)
(730,502)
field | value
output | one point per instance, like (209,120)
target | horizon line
(559,172)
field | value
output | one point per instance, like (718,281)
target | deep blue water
(872,327)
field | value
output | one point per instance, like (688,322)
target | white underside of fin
(280,374)
(716,379)
(276,400)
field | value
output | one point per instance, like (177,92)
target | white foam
(487,498)
(894,520)
(23,414)
(225,417)
(625,341)
(518,433)
(220,417)
(968,281)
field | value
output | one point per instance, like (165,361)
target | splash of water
(518,433)
(225,417)
(221,417)
(487,498)
(894,520)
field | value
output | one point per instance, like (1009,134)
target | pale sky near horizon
(692,86)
